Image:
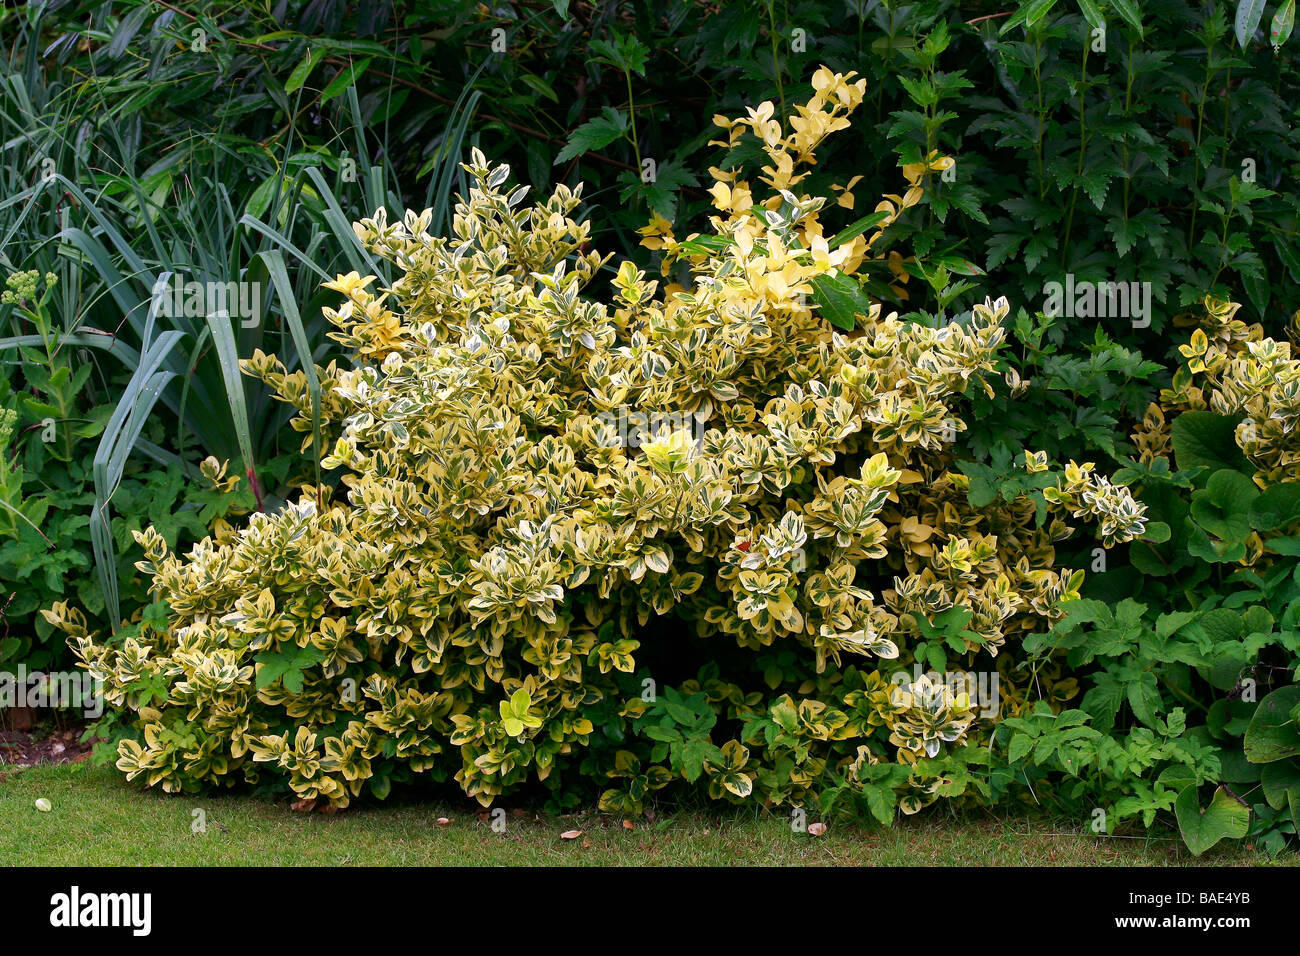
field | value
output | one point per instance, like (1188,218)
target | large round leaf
(1273,733)
(1226,816)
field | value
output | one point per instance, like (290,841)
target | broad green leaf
(1157,532)
(1225,817)
(1276,507)
(1204,439)
(1273,733)
(1278,780)
(1021,744)
(841,299)
(1223,507)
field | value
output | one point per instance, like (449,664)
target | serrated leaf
(596,133)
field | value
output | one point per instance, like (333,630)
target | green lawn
(97,819)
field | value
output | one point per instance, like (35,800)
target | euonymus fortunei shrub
(504,553)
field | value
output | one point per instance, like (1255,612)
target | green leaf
(538,85)
(1206,440)
(347,77)
(1286,546)
(1225,817)
(1157,532)
(841,299)
(1169,624)
(1273,734)
(1223,507)
(1278,781)
(303,70)
(1036,10)
(596,133)
(1092,14)
(1249,13)
(1276,507)
(1283,22)
(1130,14)
(270,671)
(1144,698)
(856,228)
(1221,625)
(1021,744)
(694,753)
(626,52)
(881,801)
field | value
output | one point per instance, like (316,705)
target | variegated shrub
(478,596)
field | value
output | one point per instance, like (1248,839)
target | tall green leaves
(142,392)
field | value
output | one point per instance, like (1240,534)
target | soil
(20,749)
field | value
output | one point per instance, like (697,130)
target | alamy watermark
(241,301)
(981,688)
(1099,300)
(75,909)
(628,429)
(56,689)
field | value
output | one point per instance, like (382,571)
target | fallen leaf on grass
(628,825)
(570,834)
